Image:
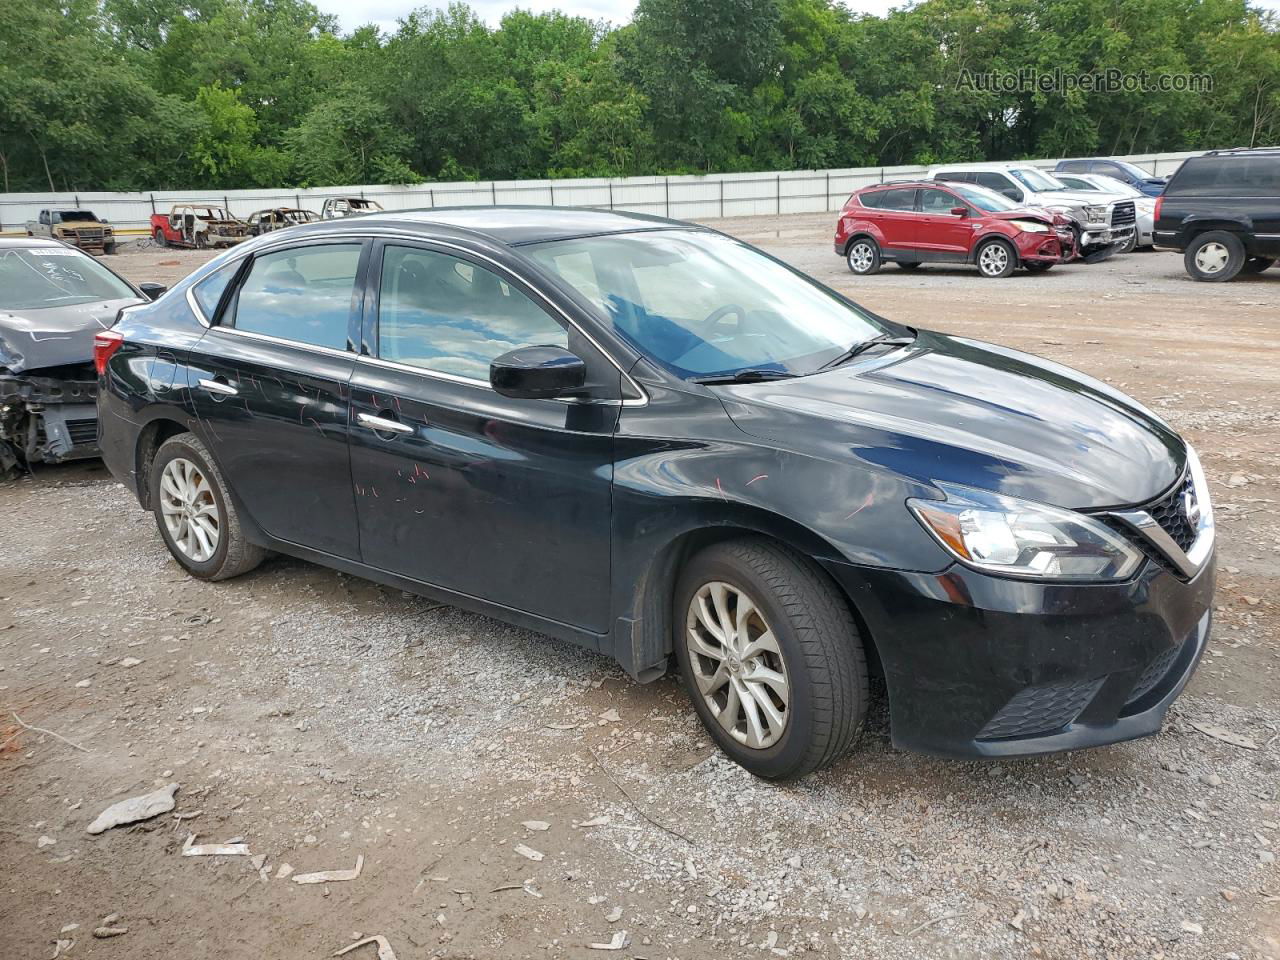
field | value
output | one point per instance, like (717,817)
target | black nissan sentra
(651,439)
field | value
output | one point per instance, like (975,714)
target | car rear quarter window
(208,292)
(452,316)
(1077,166)
(302,294)
(872,200)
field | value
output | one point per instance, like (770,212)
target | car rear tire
(159,238)
(195,513)
(913,265)
(863,256)
(782,691)
(996,259)
(1214,257)
(1257,264)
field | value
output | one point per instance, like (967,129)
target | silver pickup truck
(80,228)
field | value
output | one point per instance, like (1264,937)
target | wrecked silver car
(53,298)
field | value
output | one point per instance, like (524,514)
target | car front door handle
(219,387)
(382,424)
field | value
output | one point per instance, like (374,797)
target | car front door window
(450,316)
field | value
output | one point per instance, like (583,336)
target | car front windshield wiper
(883,339)
(749,375)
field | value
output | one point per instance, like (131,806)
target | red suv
(917,222)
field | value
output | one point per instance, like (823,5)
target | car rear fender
(1197,223)
(858,228)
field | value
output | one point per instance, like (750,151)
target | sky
(385,13)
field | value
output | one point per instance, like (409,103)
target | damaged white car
(53,299)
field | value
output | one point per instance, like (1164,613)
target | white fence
(684,197)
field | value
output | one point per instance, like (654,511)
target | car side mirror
(959,211)
(1012,193)
(537,373)
(152,291)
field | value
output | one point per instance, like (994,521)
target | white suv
(1106,224)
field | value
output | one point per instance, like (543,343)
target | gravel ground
(320,717)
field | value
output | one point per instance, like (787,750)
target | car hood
(54,336)
(976,414)
(1067,196)
(1022,213)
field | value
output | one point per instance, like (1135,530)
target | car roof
(1242,151)
(513,225)
(9,243)
(985,165)
(898,183)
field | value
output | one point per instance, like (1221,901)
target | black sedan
(651,439)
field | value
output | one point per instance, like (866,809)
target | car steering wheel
(719,314)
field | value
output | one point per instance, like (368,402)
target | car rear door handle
(382,424)
(219,387)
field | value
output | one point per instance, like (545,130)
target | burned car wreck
(53,298)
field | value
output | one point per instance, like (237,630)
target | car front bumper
(983,666)
(1102,236)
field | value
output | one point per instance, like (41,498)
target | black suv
(1223,210)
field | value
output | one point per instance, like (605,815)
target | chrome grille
(1123,214)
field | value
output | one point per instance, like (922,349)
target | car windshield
(701,304)
(68,216)
(982,198)
(1037,180)
(35,277)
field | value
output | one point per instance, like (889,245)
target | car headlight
(1030,226)
(1019,538)
(1095,212)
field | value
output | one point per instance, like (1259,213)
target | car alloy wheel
(1212,258)
(993,260)
(189,510)
(738,665)
(862,257)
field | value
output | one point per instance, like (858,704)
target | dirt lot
(321,718)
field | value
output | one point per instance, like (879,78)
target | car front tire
(771,657)
(863,256)
(996,259)
(1214,257)
(195,513)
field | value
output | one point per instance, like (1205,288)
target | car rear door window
(442,313)
(901,198)
(303,294)
(994,181)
